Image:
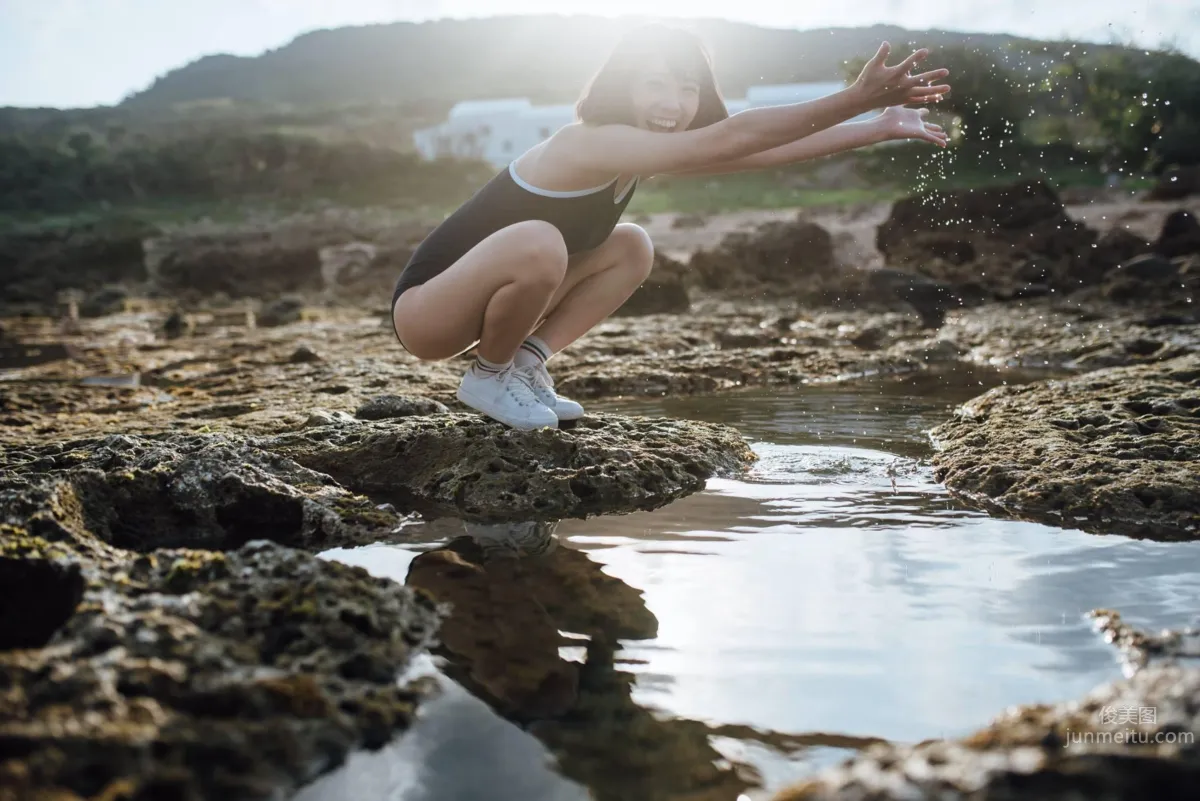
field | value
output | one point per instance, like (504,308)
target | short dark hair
(607,98)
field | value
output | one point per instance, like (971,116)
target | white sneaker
(543,388)
(507,397)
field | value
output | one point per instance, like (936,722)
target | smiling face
(663,100)
(657,78)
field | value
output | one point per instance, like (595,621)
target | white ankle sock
(533,352)
(483,368)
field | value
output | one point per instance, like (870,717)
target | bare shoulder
(571,139)
(560,161)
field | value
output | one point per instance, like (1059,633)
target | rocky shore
(185,642)
(1112,451)
(187,418)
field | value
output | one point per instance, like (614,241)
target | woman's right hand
(881,86)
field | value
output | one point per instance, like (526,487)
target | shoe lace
(519,384)
(543,377)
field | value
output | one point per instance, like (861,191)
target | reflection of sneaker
(543,387)
(514,539)
(507,397)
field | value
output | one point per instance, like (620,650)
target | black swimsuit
(585,218)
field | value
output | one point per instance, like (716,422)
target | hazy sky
(94,52)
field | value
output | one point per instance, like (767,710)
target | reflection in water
(521,607)
(537,631)
(517,601)
(836,588)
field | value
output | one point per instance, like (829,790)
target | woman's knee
(636,247)
(541,253)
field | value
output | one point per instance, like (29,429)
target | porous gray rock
(1112,451)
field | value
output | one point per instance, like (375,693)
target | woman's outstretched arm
(893,124)
(625,149)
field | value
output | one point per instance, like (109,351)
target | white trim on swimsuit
(528,187)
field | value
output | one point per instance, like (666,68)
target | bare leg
(494,295)
(596,285)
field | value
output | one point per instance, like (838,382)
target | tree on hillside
(1147,109)
(987,96)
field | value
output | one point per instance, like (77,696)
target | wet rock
(246,383)
(1118,245)
(1061,335)
(1139,648)
(341,264)
(1113,451)
(869,332)
(776,254)
(1169,319)
(797,260)
(871,338)
(384,407)
(931,299)
(463,465)
(175,325)
(136,665)
(758,337)
(350,254)
(1023,291)
(1180,235)
(36,265)
(213,491)
(57,588)
(193,674)
(323,417)
(281,311)
(929,351)
(689,221)
(1088,748)
(1152,280)
(304,355)
(248,266)
(1150,267)
(659,294)
(106,300)
(30,354)
(1176,184)
(989,236)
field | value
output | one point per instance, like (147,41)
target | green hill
(430,65)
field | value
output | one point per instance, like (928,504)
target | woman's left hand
(901,122)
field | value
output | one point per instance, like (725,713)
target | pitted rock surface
(466,466)
(211,491)
(1112,451)
(195,674)
(178,648)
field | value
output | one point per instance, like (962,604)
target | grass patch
(880,174)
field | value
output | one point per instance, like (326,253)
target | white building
(493,130)
(498,131)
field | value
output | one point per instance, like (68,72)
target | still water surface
(766,627)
